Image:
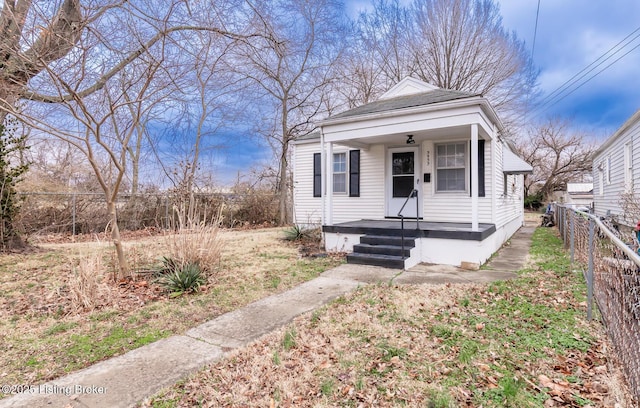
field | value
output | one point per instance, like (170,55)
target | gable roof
(408,86)
(405,101)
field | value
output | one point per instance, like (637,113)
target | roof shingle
(405,101)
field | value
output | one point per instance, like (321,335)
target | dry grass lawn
(45,334)
(519,343)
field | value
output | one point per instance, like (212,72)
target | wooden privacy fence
(612,272)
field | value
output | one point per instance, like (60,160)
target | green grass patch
(97,346)
(60,327)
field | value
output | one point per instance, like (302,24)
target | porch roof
(405,101)
(512,164)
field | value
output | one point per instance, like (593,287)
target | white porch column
(323,183)
(329,184)
(494,175)
(474,177)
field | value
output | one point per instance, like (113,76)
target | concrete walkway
(126,380)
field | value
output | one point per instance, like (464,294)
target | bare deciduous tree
(462,45)
(292,63)
(106,122)
(557,157)
(80,56)
(453,44)
(38,35)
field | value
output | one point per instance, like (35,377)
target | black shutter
(317,175)
(481,192)
(354,173)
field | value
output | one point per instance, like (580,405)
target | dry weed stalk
(85,286)
(195,241)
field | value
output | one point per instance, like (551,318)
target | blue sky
(571,34)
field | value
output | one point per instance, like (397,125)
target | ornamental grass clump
(183,280)
(195,242)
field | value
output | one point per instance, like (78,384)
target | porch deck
(427,229)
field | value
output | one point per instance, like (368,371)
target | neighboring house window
(601,178)
(339,172)
(451,160)
(505,190)
(628,167)
(607,170)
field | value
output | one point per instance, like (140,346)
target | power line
(535,31)
(598,73)
(588,69)
(565,90)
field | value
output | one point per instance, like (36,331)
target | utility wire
(597,73)
(535,31)
(588,69)
(557,93)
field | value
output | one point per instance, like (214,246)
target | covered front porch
(385,243)
(413,228)
(441,144)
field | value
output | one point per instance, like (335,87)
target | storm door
(403,175)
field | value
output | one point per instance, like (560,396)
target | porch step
(387,261)
(387,240)
(383,249)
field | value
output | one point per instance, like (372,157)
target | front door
(403,175)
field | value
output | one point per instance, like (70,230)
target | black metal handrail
(412,194)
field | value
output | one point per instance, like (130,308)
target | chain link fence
(612,271)
(86,213)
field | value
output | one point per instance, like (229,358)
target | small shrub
(185,279)
(533,201)
(301,233)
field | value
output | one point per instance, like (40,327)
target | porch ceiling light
(410,139)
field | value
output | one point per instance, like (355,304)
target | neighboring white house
(354,176)
(577,195)
(614,176)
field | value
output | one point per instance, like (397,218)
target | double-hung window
(344,174)
(339,172)
(451,167)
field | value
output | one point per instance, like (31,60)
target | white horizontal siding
(608,193)
(306,208)
(371,203)
(442,207)
(454,207)
(509,204)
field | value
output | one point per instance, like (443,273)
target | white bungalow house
(614,176)
(432,155)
